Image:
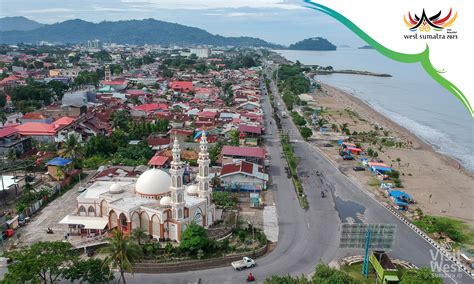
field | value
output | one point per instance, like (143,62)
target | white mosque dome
(115,188)
(192,189)
(165,201)
(153,182)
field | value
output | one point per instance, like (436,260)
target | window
(180,197)
(91,211)
(180,213)
(180,181)
(206,171)
(82,211)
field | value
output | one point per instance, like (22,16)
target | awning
(94,223)
(392,278)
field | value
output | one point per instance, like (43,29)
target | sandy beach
(438,183)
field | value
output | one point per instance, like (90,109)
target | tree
(3,117)
(121,119)
(422,275)
(234,137)
(139,234)
(194,238)
(121,254)
(58,88)
(288,279)
(326,274)
(42,262)
(306,132)
(72,148)
(321,122)
(88,271)
(3,100)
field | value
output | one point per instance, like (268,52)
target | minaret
(108,76)
(203,175)
(177,188)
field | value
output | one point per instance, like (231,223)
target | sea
(410,97)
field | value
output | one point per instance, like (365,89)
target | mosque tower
(204,189)
(177,188)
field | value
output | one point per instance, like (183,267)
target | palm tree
(121,254)
(72,148)
(322,122)
(139,234)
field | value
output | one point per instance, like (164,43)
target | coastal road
(309,236)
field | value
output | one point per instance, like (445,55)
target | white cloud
(215,4)
(48,10)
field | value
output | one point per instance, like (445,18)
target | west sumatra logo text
(431,27)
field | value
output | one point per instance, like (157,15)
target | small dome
(115,188)
(192,189)
(165,201)
(153,182)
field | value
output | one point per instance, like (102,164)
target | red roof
(250,129)
(136,92)
(158,161)
(256,152)
(66,120)
(34,115)
(182,86)
(207,114)
(7,131)
(181,132)
(36,129)
(158,141)
(241,166)
(151,107)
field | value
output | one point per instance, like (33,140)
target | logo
(426,24)
(422,26)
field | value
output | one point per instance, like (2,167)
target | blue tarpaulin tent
(59,162)
(398,194)
(199,133)
(381,169)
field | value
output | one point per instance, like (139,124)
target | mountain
(18,24)
(148,31)
(365,47)
(315,43)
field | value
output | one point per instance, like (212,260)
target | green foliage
(326,274)
(121,119)
(225,199)
(121,254)
(133,155)
(87,78)
(31,96)
(88,271)
(214,152)
(306,132)
(193,239)
(456,230)
(58,88)
(276,279)
(316,43)
(41,262)
(234,137)
(298,119)
(422,275)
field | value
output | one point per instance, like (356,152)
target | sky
(278,21)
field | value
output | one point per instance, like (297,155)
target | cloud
(48,10)
(216,4)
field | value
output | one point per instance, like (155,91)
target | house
(254,131)
(35,117)
(145,109)
(250,154)
(243,176)
(250,105)
(183,135)
(159,162)
(182,86)
(57,166)
(11,141)
(38,131)
(158,143)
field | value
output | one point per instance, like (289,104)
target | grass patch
(456,230)
(373,182)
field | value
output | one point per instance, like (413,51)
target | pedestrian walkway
(270,223)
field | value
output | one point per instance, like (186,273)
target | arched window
(206,186)
(201,173)
(206,171)
(180,197)
(82,211)
(91,211)
(180,182)
(174,181)
(180,213)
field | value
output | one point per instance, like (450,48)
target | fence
(192,265)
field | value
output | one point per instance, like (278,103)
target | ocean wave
(440,141)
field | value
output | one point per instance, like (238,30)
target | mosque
(156,201)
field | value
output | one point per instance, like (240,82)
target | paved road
(308,236)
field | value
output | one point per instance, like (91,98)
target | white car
(246,262)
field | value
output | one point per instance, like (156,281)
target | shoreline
(407,134)
(439,184)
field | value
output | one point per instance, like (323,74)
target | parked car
(358,169)
(246,262)
(328,145)
(347,157)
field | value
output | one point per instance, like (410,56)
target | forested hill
(315,43)
(148,31)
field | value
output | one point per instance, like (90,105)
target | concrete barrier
(191,265)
